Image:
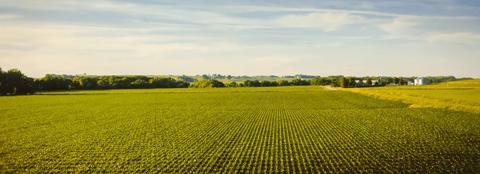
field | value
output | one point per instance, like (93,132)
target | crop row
(260,132)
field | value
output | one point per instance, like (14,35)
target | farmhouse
(421,81)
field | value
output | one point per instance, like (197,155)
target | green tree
(160,82)
(14,82)
(343,82)
(232,84)
(299,82)
(3,83)
(315,81)
(207,84)
(83,82)
(266,83)
(53,82)
(252,83)
(139,83)
(283,83)
(104,82)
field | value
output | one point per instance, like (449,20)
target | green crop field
(261,130)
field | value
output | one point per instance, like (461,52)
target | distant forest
(14,82)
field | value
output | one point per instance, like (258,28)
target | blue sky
(350,37)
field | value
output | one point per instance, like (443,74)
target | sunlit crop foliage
(263,130)
(456,95)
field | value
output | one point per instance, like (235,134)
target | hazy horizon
(252,75)
(353,38)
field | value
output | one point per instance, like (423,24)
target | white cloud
(218,38)
(400,25)
(326,21)
(60,45)
(445,37)
(431,30)
(8,16)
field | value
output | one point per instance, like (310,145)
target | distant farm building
(374,82)
(421,81)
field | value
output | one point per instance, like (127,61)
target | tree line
(58,82)
(335,81)
(14,82)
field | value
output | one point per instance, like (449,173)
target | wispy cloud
(400,26)
(445,37)
(185,37)
(371,13)
(325,21)
(8,16)
(433,30)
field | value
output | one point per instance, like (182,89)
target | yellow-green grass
(456,95)
(240,130)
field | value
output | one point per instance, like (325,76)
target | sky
(243,37)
